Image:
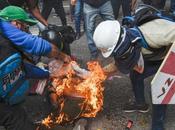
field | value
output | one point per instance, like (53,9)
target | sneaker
(136,107)
(143,108)
(130,107)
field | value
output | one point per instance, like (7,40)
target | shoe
(143,108)
(136,107)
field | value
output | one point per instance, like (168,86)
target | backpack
(144,14)
(13,85)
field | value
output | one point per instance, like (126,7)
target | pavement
(118,91)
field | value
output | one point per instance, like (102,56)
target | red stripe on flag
(169,66)
(169,94)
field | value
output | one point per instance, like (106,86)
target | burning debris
(83,87)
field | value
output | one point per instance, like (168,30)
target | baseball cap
(16,13)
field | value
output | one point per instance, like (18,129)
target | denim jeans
(126,7)
(78,15)
(90,13)
(137,81)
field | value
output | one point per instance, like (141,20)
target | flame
(90,89)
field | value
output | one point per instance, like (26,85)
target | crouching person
(139,53)
(14,40)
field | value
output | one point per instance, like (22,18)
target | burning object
(80,91)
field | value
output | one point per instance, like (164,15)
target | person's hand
(64,57)
(59,55)
(110,68)
(54,52)
(73,2)
(63,71)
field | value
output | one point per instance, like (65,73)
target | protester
(159,4)
(93,8)
(58,7)
(78,16)
(30,5)
(139,53)
(15,70)
(126,7)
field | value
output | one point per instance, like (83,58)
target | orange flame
(90,89)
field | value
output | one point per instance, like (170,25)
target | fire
(89,89)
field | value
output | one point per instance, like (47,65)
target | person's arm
(24,41)
(30,43)
(35,72)
(73,2)
(37,14)
(34,10)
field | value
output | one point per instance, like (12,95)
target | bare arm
(37,14)
(58,54)
(73,2)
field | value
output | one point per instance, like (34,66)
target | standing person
(14,71)
(126,7)
(138,52)
(58,7)
(30,5)
(91,9)
(78,14)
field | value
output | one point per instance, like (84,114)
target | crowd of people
(124,43)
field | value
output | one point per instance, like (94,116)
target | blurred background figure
(159,4)
(58,7)
(30,5)
(92,9)
(126,7)
(78,16)
(172,7)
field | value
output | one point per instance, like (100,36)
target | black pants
(159,4)
(14,118)
(126,7)
(58,7)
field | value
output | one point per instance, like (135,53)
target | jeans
(137,81)
(90,13)
(14,118)
(126,7)
(78,15)
(58,6)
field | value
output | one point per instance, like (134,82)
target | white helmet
(106,36)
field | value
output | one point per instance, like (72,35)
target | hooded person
(137,51)
(14,72)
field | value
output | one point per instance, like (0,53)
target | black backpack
(144,14)
(61,36)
